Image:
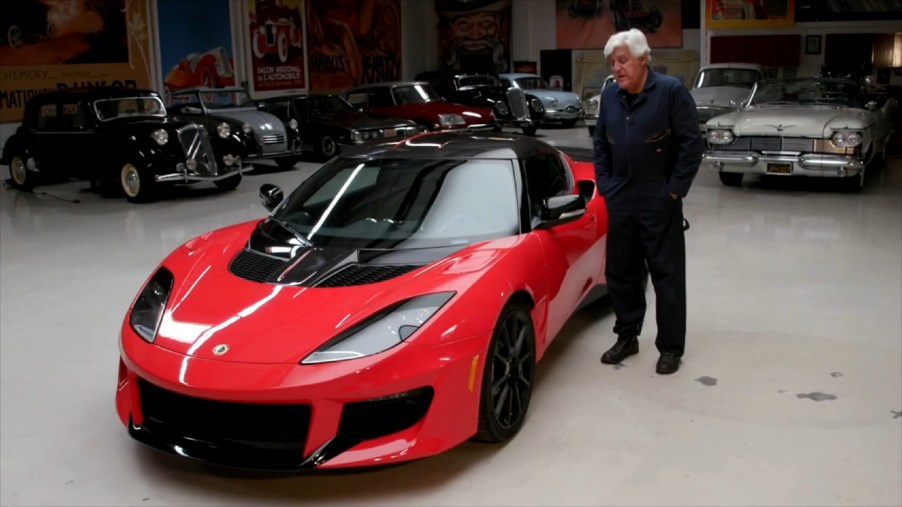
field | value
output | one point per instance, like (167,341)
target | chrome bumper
(563,114)
(811,164)
(183,176)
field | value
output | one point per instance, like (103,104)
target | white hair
(633,39)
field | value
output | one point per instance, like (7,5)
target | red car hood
(277,323)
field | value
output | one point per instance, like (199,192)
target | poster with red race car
(276,42)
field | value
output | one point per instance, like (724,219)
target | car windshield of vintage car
(121,107)
(327,106)
(404,203)
(743,78)
(414,94)
(219,99)
(808,92)
(478,80)
(531,83)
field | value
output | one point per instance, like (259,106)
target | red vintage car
(392,306)
(418,101)
(275,37)
(210,69)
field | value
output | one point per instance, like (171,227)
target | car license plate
(779,168)
(389,132)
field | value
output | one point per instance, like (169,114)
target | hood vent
(358,274)
(255,266)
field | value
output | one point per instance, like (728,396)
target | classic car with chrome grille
(392,306)
(593,104)
(719,88)
(116,138)
(418,101)
(560,106)
(819,127)
(327,122)
(512,106)
(228,110)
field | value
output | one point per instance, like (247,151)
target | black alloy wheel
(328,147)
(508,375)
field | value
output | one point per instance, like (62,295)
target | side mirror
(586,189)
(562,209)
(271,195)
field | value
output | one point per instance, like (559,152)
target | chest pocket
(659,142)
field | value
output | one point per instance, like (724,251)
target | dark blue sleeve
(602,150)
(689,142)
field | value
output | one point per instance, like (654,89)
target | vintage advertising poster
(474,35)
(50,44)
(352,42)
(749,13)
(583,24)
(276,32)
(192,58)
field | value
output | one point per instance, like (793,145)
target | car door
(77,143)
(572,251)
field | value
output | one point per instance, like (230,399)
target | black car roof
(454,145)
(97,92)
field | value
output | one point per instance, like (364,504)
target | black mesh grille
(255,267)
(356,274)
(373,419)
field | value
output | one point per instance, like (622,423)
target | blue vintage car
(560,106)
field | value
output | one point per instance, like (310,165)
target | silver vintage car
(593,104)
(719,88)
(815,126)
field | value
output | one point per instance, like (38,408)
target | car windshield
(213,99)
(807,92)
(414,94)
(404,203)
(743,78)
(319,107)
(121,107)
(479,80)
(531,83)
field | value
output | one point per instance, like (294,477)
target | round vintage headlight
(591,106)
(191,164)
(720,136)
(246,128)
(536,105)
(223,130)
(292,123)
(501,107)
(228,160)
(846,139)
(160,136)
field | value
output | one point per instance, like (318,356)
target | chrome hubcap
(18,171)
(131,181)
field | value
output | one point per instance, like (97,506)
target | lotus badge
(220,349)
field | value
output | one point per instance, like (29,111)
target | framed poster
(749,13)
(275,37)
(589,24)
(813,45)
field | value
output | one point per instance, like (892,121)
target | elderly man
(647,152)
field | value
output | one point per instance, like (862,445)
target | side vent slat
(356,274)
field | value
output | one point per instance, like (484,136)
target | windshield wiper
(297,235)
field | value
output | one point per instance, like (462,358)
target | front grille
(255,266)
(272,139)
(770,144)
(196,146)
(357,274)
(517,102)
(365,420)
(268,435)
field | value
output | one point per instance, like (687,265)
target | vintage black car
(326,122)
(224,111)
(512,106)
(116,138)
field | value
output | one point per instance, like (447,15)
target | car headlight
(720,136)
(160,136)
(447,120)
(537,105)
(846,139)
(147,311)
(223,129)
(292,124)
(591,106)
(246,128)
(356,136)
(501,107)
(382,331)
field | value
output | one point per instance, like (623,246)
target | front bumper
(403,404)
(569,113)
(810,164)
(184,175)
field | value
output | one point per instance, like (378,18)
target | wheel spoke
(501,400)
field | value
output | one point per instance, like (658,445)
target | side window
(357,98)
(47,118)
(545,177)
(381,97)
(72,117)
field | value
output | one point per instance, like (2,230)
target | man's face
(475,30)
(629,71)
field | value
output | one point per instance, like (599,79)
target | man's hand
(674,196)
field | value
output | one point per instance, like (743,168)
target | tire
(137,183)
(282,42)
(530,131)
(591,130)
(327,147)
(257,46)
(656,18)
(286,163)
(568,124)
(19,174)
(508,376)
(230,183)
(730,179)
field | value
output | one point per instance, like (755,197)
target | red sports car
(392,306)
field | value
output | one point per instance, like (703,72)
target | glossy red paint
(269,328)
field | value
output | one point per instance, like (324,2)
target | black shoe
(626,346)
(668,363)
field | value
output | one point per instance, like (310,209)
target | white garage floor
(790,393)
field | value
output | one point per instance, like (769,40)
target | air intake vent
(356,274)
(255,266)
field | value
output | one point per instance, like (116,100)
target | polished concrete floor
(790,393)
